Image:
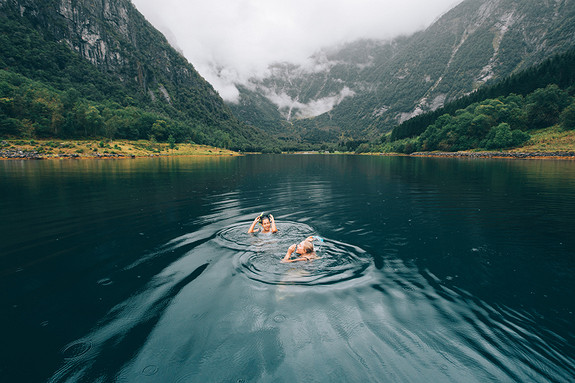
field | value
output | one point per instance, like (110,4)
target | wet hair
(265,216)
(308,247)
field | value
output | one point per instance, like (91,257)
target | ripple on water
(105,282)
(235,236)
(259,256)
(279,318)
(76,349)
(150,370)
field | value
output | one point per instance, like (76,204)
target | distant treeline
(559,70)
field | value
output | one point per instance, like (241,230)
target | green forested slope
(499,116)
(86,69)
(559,70)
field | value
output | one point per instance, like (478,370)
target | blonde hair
(308,247)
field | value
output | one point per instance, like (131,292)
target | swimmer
(305,249)
(268,224)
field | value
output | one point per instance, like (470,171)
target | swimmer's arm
(295,259)
(274,227)
(290,251)
(254,223)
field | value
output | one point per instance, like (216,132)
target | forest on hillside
(497,116)
(49,91)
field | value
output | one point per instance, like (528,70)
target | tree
(94,121)
(501,136)
(9,126)
(513,112)
(545,105)
(480,125)
(172,141)
(159,130)
(568,117)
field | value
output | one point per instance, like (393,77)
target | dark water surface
(432,270)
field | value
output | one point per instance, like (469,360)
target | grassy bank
(105,148)
(549,140)
(552,139)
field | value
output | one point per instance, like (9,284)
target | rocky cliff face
(117,39)
(90,38)
(491,39)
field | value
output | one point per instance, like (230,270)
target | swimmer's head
(305,247)
(265,222)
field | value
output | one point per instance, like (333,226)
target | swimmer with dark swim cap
(268,224)
(305,250)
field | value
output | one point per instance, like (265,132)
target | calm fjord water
(432,270)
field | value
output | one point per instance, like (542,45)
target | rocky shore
(19,154)
(33,155)
(517,155)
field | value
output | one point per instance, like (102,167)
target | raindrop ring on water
(150,370)
(279,318)
(76,349)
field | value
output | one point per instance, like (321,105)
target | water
(440,270)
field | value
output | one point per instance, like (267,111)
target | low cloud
(291,108)
(230,41)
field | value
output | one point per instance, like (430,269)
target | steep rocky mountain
(107,51)
(365,88)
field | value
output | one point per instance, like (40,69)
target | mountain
(65,65)
(365,88)
(559,71)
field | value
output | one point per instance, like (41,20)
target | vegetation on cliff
(60,80)
(558,70)
(504,115)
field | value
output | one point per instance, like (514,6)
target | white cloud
(229,41)
(291,108)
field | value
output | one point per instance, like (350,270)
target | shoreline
(19,149)
(562,155)
(34,155)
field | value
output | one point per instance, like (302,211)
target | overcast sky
(242,37)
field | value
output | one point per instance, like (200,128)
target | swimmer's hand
(290,251)
(252,228)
